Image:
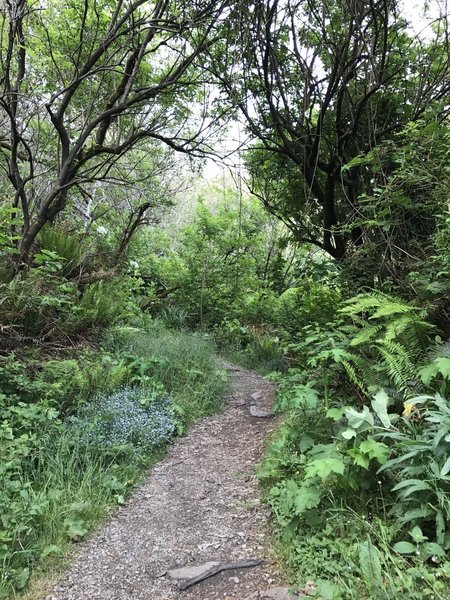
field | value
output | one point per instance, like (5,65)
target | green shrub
(300,306)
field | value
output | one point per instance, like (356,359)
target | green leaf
(379,405)
(306,498)
(21,577)
(356,419)
(359,458)
(375,450)
(335,413)
(427,373)
(75,528)
(416,513)
(323,467)
(406,488)
(348,434)
(446,468)
(440,527)
(417,535)
(369,562)
(52,549)
(443,365)
(360,159)
(432,549)
(306,443)
(404,548)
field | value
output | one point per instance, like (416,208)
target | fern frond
(353,376)
(399,363)
(364,373)
(394,308)
(366,334)
(362,303)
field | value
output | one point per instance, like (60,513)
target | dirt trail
(200,504)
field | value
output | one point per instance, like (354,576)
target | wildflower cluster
(125,418)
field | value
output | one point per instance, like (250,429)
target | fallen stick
(243,564)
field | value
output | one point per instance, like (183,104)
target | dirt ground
(200,504)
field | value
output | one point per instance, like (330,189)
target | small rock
(189,572)
(256,412)
(234,579)
(256,395)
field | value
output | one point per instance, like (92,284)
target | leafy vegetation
(122,272)
(77,434)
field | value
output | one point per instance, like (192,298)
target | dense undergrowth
(79,430)
(102,362)
(358,474)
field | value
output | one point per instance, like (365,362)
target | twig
(243,564)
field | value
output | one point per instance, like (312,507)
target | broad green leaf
(348,434)
(427,373)
(356,419)
(335,413)
(52,549)
(21,577)
(443,365)
(417,535)
(379,405)
(323,467)
(359,458)
(306,443)
(369,562)
(75,528)
(432,549)
(306,498)
(404,548)
(375,450)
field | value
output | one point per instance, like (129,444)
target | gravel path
(200,504)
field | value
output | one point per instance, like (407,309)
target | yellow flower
(407,408)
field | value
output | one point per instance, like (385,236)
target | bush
(58,479)
(300,306)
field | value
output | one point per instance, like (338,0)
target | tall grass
(68,490)
(182,362)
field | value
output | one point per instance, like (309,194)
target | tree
(319,85)
(82,84)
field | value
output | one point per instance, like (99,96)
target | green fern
(398,363)
(357,379)
(366,334)
(68,246)
(362,303)
(391,338)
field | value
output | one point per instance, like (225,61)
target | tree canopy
(320,85)
(83,85)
